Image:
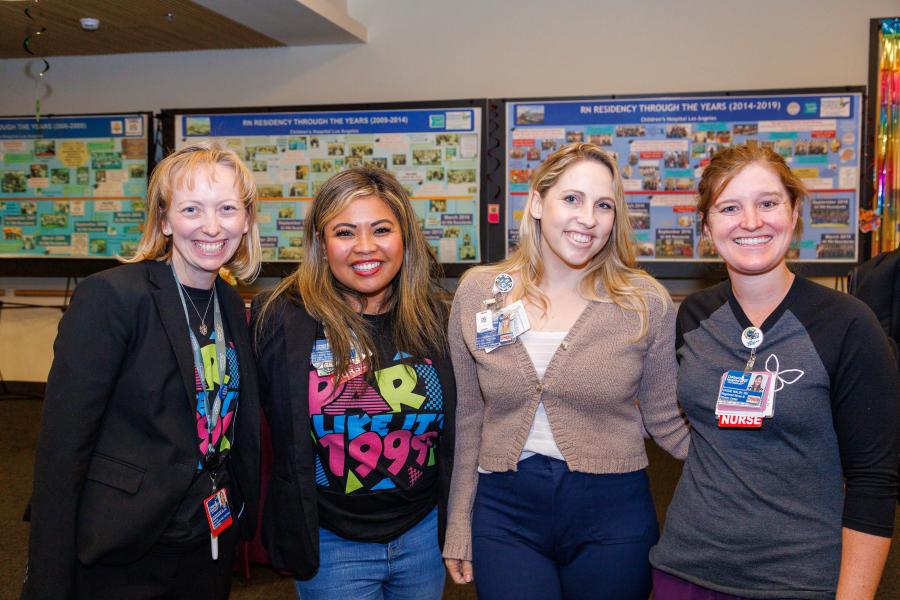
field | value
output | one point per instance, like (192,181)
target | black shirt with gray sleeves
(758,512)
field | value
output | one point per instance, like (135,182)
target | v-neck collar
(527,364)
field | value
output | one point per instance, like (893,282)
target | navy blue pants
(546,533)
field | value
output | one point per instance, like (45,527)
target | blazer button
(538,388)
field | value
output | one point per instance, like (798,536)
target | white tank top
(541,346)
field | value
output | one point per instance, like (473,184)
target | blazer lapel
(246,442)
(300,334)
(236,316)
(171,313)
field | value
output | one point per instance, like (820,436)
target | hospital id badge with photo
(218,512)
(321,358)
(506,325)
(745,398)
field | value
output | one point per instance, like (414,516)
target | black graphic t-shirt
(189,522)
(375,444)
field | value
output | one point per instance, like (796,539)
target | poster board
(73,187)
(434,149)
(662,144)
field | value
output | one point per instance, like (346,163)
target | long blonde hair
(415,299)
(179,169)
(613,270)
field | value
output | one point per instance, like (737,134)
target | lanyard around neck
(213,409)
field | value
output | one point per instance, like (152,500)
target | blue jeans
(407,568)
(546,533)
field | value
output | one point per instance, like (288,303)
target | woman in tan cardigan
(549,498)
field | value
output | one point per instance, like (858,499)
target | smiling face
(752,222)
(364,248)
(206,221)
(576,214)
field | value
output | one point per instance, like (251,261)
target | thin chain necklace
(203,328)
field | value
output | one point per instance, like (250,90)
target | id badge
(745,399)
(487,340)
(507,324)
(218,512)
(483,321)
(499,334)
(321,358)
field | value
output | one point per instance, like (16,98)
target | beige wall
(429,49)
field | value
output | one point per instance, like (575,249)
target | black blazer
(117,450)
(290,525)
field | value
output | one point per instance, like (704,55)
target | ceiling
(172,25)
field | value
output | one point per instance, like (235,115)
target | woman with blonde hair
(147,460)
(358,389)
(549,496)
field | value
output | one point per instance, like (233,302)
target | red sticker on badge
(740,421)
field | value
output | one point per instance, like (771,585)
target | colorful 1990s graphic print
(374,438)
(209,387)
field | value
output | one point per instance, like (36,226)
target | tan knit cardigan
(589,391)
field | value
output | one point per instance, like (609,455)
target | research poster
(435,153)
(662,145)
(73,186)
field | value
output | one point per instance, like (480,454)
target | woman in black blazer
(144,427)
(358,388)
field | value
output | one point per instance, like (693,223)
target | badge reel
(746,397)
(503,283)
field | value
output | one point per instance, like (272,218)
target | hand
(460,570)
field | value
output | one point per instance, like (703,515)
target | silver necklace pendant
(203,328)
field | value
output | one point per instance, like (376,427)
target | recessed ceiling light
(89,23)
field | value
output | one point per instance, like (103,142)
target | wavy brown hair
(179,169)
(612,272)
(415,299)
